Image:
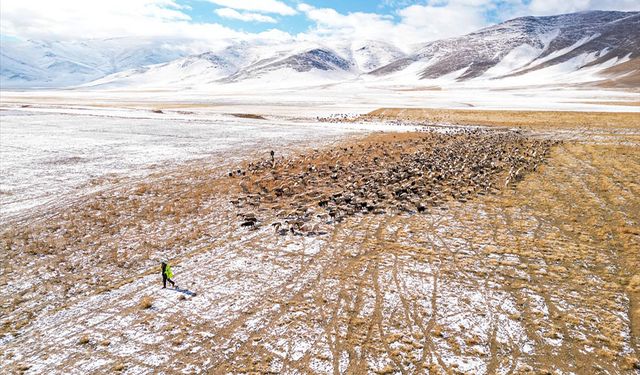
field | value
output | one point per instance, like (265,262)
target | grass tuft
(146,302)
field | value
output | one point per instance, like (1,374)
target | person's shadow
(184,291)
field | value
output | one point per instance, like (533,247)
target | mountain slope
(64,63)
(369,55)
(299,62)
(616,39)
(321,62)
(572,48)
(187,71)
(526,44)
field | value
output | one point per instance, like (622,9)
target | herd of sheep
(410,172)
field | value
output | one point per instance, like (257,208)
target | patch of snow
(565,50)
(515,59)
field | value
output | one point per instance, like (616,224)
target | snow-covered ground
(361,95)
(448,289)
(50,151)
(59,140)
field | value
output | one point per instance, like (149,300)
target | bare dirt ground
(535,277)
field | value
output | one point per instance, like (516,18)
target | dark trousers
(165,279)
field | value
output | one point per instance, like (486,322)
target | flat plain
(536,272)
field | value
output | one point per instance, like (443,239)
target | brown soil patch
(426,88)
(248,115)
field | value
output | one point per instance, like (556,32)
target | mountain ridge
(575,47)
(479,51)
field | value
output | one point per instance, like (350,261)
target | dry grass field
(622,103)
(534,120)
(538,275)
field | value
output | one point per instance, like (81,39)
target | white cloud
(418,23)
(77,19)
(438,19)
(549,7)
(436,22)
(169,21)
(262,6)
(161,22)
(244,16)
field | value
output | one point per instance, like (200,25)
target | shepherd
(167,274)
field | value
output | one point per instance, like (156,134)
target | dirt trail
(539,277)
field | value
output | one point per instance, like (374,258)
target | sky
(401,22)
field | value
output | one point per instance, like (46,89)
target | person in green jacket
(167,274)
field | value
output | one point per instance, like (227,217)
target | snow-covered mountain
(369,55)
(569,43)
(184,72)
(572,48)
(63,63)
(317,64)
(282,64)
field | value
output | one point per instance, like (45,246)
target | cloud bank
(402,23)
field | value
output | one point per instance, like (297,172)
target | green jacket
(168,272)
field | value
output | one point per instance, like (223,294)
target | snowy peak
(370,55)
(209,64)
(317,58)
(317,63)
(236,63)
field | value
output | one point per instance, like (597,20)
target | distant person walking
(167,274)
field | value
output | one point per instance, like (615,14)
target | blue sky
(493,11)
(204,11)
(402,22)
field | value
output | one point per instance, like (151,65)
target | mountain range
(587,47)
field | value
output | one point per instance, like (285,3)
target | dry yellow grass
(555,256)
(626,104)
(83,340)
(146,302)
(592,195)
(524,119)
(119,367)
(87,237)
(562,244)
